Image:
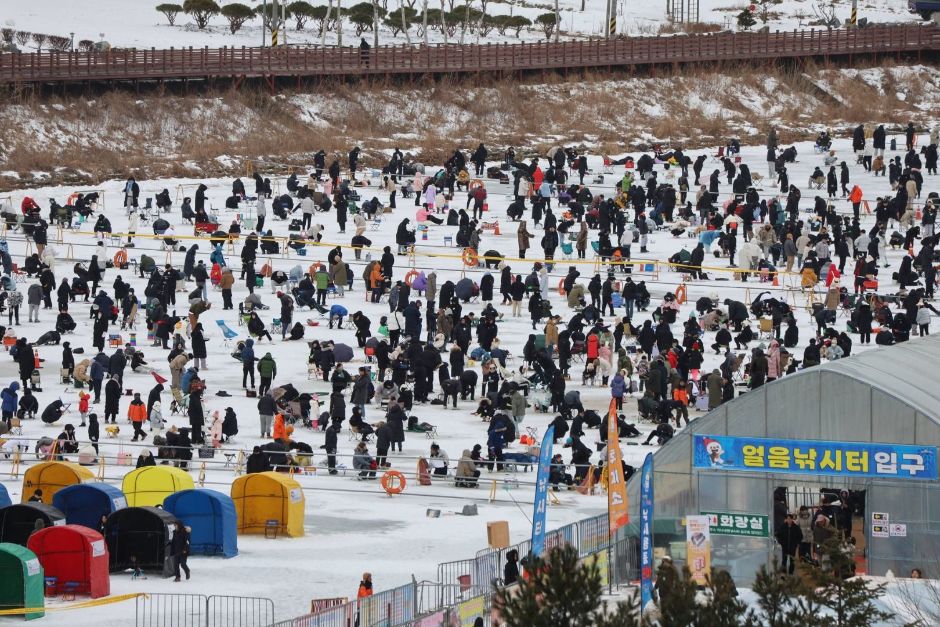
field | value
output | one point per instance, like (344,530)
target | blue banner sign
(815,457)
(541,493)
(646,532)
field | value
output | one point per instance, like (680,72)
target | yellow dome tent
(50,477)
(264,496)
(151,484)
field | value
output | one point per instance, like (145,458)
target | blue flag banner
(815,457)
(646,532)
(541,493)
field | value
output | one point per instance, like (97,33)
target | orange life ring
(680,294)
(474,184)
(393,488)
(120,258)
(410,276)
(470,257)
(561,288)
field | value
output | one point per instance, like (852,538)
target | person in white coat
(133,222)
(156,417)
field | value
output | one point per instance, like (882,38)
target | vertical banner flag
(698,547)
(541,493)
(646,532)
(616,483)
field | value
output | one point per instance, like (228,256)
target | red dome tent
(73,553)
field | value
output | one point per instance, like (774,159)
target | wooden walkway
(237,63)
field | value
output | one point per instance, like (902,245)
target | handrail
(156,64)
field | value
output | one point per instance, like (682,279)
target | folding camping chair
(766,328)
(227,333)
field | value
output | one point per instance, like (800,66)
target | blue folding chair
(227,333)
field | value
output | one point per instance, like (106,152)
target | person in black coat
(486,287)
(154,396)
(383,440)
(68,361)
(116,364)
(789,536)
(26,360)
(580,459)
(395,420)
(198,340)
(179,549)
(196,416)
(256,462)
(112,400)
(329,445)
(363,328)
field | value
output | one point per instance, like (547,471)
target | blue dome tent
(211,516)
(85,503)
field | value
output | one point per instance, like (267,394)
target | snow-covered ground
(352,526)
(136,23)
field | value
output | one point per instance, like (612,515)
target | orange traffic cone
(776,282)
(496,229)
(37,363)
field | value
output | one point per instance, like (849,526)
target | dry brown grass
(168,135)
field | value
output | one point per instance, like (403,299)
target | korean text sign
(815,457)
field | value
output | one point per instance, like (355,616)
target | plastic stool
(51,586)
(69,590)
(271,527)
(448,240)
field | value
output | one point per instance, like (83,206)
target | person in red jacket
(83,401)
(137,413)
(593,343)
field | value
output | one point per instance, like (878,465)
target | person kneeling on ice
(337,312)
(363,462)
(557,474)
(466,475)
(438,460)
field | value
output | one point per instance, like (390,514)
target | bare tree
(466,21)
(557,21)
(23,37)
(404,22)
(375,23)
(326,21)
(444,20)
(424,17)
(826,15)
(39,39)
(339,23)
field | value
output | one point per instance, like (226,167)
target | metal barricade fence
(170,610)
(626,565)
(339,616)
(593,535)
(390,607)
(232,611)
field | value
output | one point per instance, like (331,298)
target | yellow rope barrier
(74,606)
(416,252)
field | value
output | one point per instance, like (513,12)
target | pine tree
(561,591)
(850,599)
(676,596)
(724,608)
(746,20)
(776,590)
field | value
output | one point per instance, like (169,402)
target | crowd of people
(492,336)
